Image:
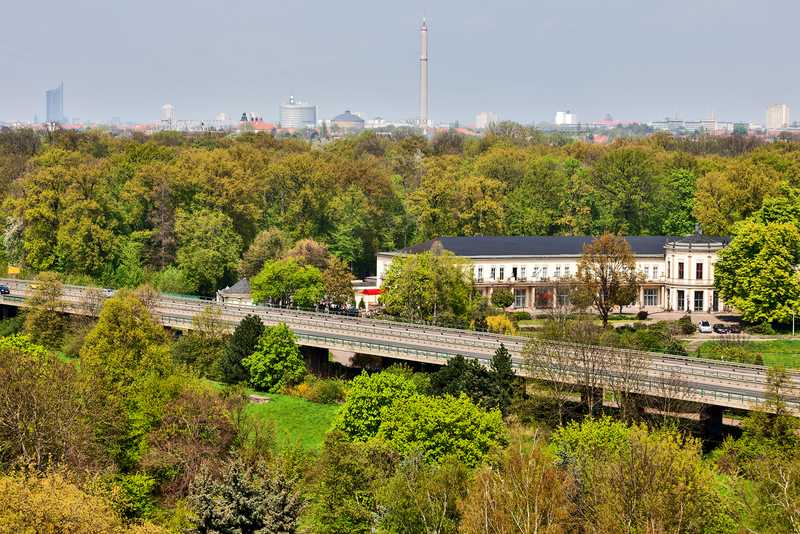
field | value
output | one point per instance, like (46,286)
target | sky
(522,59)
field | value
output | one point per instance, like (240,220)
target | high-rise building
(484,119)
(423,76)
(564,118)
(55,104)
(297,115)
(777,116)
(167,116)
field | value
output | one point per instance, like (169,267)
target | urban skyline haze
(523,60)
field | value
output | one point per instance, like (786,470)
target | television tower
(423,76)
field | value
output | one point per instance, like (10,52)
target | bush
(686,325)
(277,362)
(502,297)
(761,328)
(500,324)
(521,316)
(12,325)
(641,315)
(320,390)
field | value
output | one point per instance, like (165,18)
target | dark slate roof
(242,287)
(347,117)
(699,239)
(493,246)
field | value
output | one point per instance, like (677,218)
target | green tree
(276,362)
(241,344)
(208,248)
(502,297)
(45,317)
(203,346)
(606,275)
(462,375)
(503,381)
(442,426)
(269,244)
(284,282)
(429,287)
(130,272)
(360,417)
(338,282)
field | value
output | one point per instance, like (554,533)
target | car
(704,327)
(720,328)
(4,290)
(734,329)
(108,292)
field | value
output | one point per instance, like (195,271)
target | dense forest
(181,211)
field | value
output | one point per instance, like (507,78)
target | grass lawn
(784,352)
(298,422)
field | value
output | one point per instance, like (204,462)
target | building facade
(678,272)
(777,116)
(297,115)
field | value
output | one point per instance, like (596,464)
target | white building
(484,119)
(678,271)
(297,115)
(565,118)
(167,116)
(777,116)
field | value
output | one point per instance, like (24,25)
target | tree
(502,297)
(360,417)
(438,427)
(45,318)
(247,499)
(502,379)
(241,344)
(203,346)
(284,282)
(756,274)
(269,244)
(338,282)
(308,252)
(428,287)
(606,275)
(423,498)
(208,248)
(277,362)
(461,375)
(525,493)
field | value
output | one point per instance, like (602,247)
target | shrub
(12,325)
(320,390)
(500,324)
(686,325)
(760,328)
(502,297)
(521,316)
(277,362)
(641,315)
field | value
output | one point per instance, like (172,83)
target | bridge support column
(711,422)
(592,399)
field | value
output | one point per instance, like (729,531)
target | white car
(704,327)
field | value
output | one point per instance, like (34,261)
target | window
(698,273)
(647,271)
(558,271)
(650,296)
(655,271)
(562,298)
(479,274)
(492,272)
(669,268)
(502,273)
(536,272)
(681,303)
(519,298)
(698,301)
(513,273)
(544,272)
(566,271)
(680,270)
(522,273)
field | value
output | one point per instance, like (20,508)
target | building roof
(242,287)
(521,246)
(347,117)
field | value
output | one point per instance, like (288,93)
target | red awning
(371,292)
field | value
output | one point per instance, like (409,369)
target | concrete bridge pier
(711,422)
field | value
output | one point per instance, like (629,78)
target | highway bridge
(708,382)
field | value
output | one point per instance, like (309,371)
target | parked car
(4,290)
(108,292)
(720,328)
(735,328)
(704,327)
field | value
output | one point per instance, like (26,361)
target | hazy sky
(635,59)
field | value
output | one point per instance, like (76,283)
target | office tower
(297,115)
(565,118)
(484,119)
(55,104)
(423,75)
(777,116)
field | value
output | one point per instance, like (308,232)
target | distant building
(348,122)
(167,116)
(777,116)
(297,115)
(484,119)
(55,104)
(565,118)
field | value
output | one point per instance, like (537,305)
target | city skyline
(523,61)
